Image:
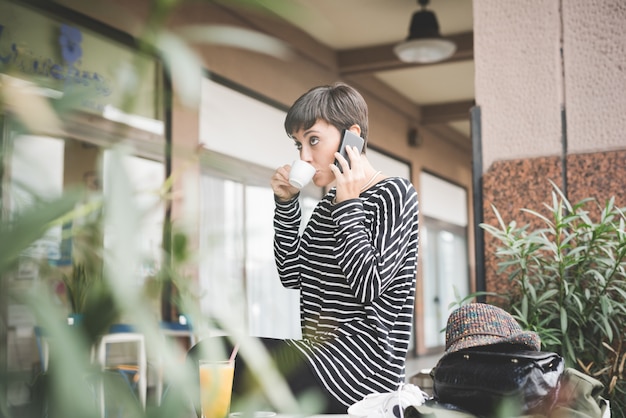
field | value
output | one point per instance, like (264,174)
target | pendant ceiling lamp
(425,44)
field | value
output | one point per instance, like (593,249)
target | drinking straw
(234,353)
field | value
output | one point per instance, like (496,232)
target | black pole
(166,293)
(477,198)
(564,151)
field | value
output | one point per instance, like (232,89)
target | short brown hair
(338,104)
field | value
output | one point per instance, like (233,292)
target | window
(38,166)
(146,177)
(443,250)
(237,259)
(43,167)
(87,70)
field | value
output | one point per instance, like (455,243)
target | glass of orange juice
(216,386)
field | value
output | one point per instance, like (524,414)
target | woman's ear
(356,129)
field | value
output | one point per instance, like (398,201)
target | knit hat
(480,324)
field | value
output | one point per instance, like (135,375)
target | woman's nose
(305,154)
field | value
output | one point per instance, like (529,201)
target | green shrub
(567,282)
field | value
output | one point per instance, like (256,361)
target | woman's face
(317,146)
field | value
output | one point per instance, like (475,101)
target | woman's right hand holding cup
(280,184)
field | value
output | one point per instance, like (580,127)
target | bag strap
(434,409)
(504,355)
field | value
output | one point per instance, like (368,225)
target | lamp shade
(424,44)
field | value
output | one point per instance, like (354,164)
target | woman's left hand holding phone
(349,182)
(280,184)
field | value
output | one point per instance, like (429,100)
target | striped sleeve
(287,216)
(371,258)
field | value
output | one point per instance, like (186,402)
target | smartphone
(349,139)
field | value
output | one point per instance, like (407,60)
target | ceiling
(363,33)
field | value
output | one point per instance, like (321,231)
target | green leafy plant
(77,285)
(86,270)
(567,282)
(102,284)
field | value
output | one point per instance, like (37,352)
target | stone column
(551,86)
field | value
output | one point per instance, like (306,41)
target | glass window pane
(36,169)
(36,172)
(446,275)
(443,249)
(238,277)
(146,178)
(221,252)
(273,310)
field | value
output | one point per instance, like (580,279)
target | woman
(354,265)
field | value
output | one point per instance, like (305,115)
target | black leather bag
(481,381)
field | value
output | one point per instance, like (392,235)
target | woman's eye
(314,140)
(297,145)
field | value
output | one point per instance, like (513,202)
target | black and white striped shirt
(355,266)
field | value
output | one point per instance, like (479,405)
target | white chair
(141,362)
(179,330)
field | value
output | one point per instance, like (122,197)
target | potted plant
(567,281)
(88,294)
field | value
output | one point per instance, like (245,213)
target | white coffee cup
(301,173)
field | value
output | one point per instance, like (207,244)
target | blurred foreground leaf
(31,224)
